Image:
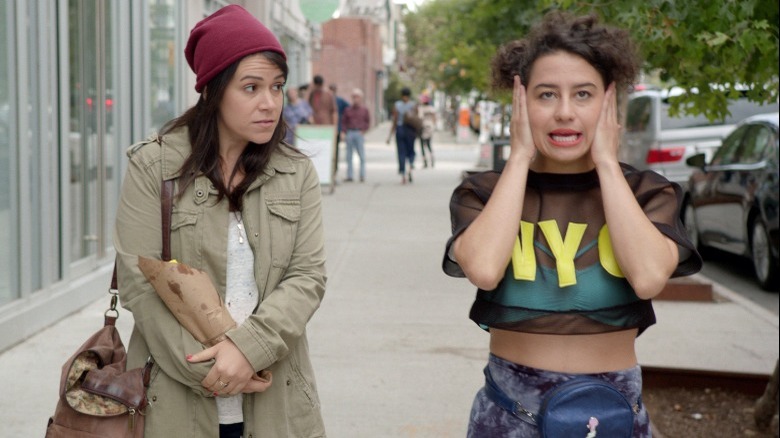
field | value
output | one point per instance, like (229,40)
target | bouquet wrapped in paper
(192,298)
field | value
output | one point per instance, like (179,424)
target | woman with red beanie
(247,210)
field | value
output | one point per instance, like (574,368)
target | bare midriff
(592,353)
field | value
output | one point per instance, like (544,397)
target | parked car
(732,201)
(655,140)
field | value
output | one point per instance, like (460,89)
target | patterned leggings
(528,386)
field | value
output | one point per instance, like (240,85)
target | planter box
(686,289)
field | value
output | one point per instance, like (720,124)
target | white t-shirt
(241,298)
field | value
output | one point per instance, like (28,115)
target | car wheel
(765,264)
(689,220)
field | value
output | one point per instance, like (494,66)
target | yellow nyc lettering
(564,249)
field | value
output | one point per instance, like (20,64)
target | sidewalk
(393,349)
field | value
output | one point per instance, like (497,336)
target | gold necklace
(240,226)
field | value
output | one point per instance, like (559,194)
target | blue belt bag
(581,407)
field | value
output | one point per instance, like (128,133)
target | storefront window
(7,245)
(92,141)
(32,156)
(162,19)
(85,107)
(113,148)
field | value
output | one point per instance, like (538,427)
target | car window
(755,144)
(727,152)
(638,114)
(740,109)
(683,120)
(743,108)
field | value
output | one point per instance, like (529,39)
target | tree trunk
(765,412)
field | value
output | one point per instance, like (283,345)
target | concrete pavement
(393,349)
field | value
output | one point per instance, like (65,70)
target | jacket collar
(176,148)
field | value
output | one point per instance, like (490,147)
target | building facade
(80,81)
(350,56)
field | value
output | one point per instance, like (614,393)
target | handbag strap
(497,396)
(166,204)
(166,208)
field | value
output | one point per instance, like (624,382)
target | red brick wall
(350,57)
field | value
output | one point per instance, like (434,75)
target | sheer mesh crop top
(563,277)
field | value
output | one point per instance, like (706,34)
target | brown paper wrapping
(192,298)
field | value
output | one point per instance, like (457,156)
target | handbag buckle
(112,310)
(520,411)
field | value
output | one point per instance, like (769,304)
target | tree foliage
(451,42)
(693,44)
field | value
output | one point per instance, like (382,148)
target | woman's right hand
(521,142)
(230,373)
(259,382)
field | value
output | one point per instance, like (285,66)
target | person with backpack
(405,133)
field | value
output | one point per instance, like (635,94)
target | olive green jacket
(283,222)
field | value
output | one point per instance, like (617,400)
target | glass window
(163,52)
(638,114)
(112,148)
(740,109)
(32,153)
(755,144)
(7,245)
(85,108)
(727,152)
(92,140)
(683,120)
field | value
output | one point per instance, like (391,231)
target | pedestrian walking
(323,103)
(296,112)
(566,245)
(355,123)
(247,211)
(405,135)
(428,116)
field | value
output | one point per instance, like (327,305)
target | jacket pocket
(285,215)
(184,234)
(304,403)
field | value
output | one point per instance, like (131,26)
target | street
(736,273)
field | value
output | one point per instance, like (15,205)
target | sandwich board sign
(318,143)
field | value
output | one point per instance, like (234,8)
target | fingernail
(189,356)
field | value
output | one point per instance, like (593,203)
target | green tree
(692,44)
(451,42)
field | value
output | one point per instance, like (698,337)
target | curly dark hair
(609,50)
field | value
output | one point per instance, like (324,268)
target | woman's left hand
(607,138)
(231,371)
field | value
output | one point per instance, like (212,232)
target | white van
(654,140)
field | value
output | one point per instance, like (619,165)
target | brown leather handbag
(99,397)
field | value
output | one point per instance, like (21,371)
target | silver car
(654,140)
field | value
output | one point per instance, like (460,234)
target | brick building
(351,56)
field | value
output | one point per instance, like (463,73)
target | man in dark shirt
(354,123)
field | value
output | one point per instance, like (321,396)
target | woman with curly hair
(566,245)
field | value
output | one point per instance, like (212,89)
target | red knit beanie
(223,38)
